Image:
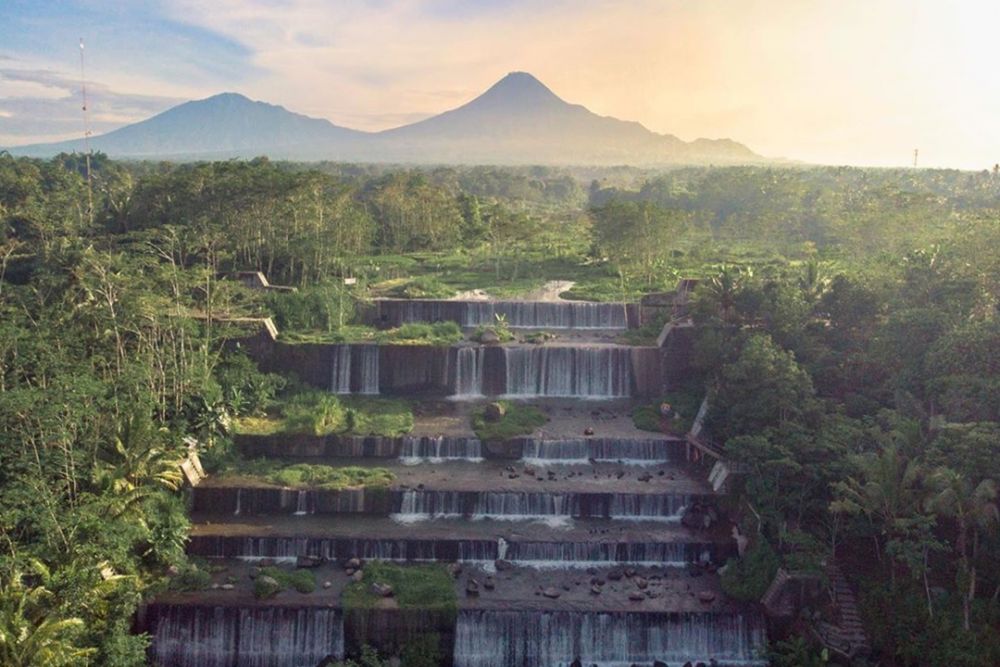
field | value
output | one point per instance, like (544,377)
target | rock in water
(551,592)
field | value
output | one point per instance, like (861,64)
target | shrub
(747,578)
(518,420)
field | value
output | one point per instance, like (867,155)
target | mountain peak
(518,89)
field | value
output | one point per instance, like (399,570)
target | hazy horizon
(811,80)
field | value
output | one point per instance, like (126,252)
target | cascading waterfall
(185,635)
(583,372)
(369,369)
(469,365)
(416,449)
(588,554)
(628,451)
(521,314)
(341,370)
(416,505)
(493,638)
(302,506)
(287,549)
(354,369)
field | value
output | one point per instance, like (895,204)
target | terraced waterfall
(569,546)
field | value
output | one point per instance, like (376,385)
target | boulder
(706,597)
(615,575)
(455,569)
(641,583)
(381,590)
(472,588)
(353,564)
(588,431)
(327,584)
(551,592)
(489,337)
(595,590)
(227,587)
(503,565)
(358,576)
(660,663)
(308,561)
(636,596)
(494,412)
(489,583)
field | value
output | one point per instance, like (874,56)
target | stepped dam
(414,504)
(472,371)
(644,451)
(587,543)
(580,315)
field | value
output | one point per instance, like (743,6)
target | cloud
(50,108)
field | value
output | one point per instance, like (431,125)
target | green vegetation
(301,580)
(311,475)
(518,419)
(684,404)
(427,587)
(847,336)
(411,333)
(321,413)
(328,477)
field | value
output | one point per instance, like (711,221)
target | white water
(469,365)
(436,449)
(581,372)
(344,357)
(627,451)
(258,637)
(487,638)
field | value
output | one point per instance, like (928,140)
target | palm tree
(721,290)
(29,637)
(887,490)
(136,463)
(974,509)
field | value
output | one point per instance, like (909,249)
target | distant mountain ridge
(516,121)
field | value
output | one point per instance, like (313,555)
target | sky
(861,82)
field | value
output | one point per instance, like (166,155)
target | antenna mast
(86,136)
(916,154)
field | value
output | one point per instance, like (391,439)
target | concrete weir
(469,371)
(572,545)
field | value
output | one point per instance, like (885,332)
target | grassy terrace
(321,413)
(685,405)
(517,420)
(414,333)
(308,475)
(428,587)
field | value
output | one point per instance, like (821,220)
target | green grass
(412,333)
(646,334)
(302,580)
(414,586)
(321,413)
(328,477)
(378,416)
(309,475)
(519,420)
(646,417)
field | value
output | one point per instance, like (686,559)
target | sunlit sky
(830,81)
